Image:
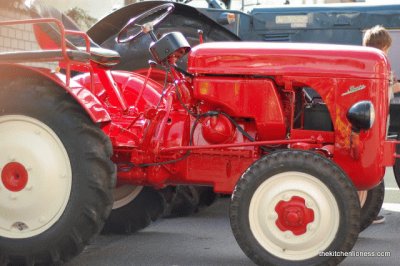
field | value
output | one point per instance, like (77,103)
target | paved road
(206,239)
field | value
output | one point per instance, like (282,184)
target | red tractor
(293,131)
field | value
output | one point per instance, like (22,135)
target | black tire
(184,201)
(286,178)
(135,214)
(91,175)
(207,196)
(371,204)
(396,166)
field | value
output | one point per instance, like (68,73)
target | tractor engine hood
(267,59)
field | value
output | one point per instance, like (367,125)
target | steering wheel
(133,29)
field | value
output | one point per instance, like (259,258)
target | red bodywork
(160,139)
(259,95)
(328,69)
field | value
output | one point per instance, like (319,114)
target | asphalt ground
(206,239)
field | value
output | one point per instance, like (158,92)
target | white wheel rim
(125,194)
(40,203)
(319,233)
(362,196)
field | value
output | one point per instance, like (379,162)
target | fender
(130,84)
(127,128)
(82,95)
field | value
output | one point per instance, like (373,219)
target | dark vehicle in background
(335,24)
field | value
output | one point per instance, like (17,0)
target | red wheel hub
(14,176)
(293,215)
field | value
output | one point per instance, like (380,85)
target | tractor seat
(50,34)
(102,56)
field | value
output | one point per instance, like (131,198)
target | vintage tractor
(292,131)
(319,24)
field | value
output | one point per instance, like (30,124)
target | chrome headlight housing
(361,115)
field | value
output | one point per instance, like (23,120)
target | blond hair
(377,37)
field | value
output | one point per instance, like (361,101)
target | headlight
(361,115)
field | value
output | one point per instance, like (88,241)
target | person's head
(378,37)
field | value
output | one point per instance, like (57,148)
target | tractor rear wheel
(371,202)
(291,205)
(135,207)
(56,174)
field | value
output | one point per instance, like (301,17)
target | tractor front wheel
(56,175)
(293,208)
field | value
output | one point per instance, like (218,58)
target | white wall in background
(95,8)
